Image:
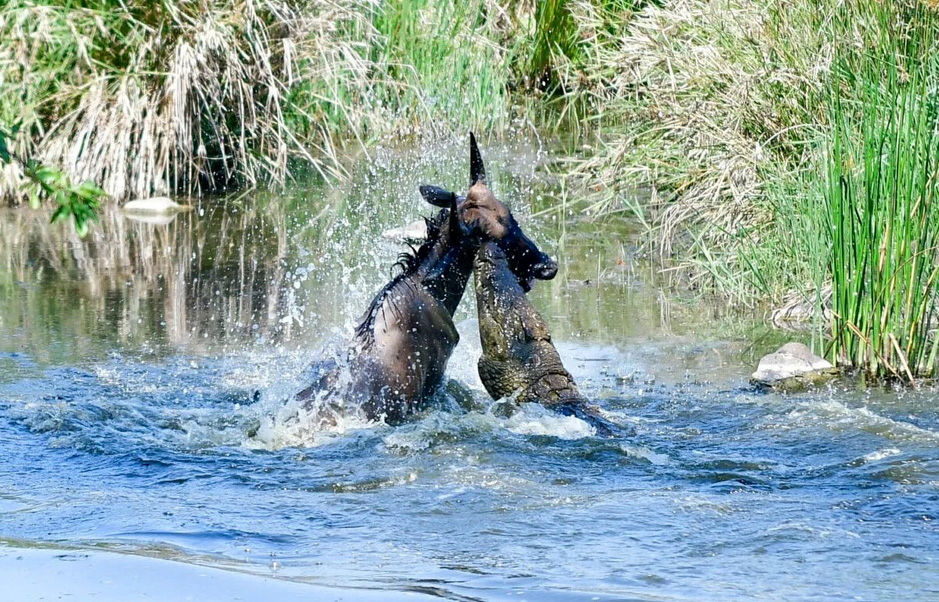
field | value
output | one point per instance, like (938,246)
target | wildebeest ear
(435,195)
(477,170)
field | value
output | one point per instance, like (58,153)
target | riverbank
(790,154)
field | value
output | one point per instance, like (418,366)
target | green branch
(79,201)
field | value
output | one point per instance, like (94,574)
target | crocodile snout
(546,270)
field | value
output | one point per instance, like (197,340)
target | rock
(792,367)
(158,205)
(415,232)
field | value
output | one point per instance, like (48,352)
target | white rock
(154,205)
(792,359)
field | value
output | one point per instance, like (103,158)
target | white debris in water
(644,453)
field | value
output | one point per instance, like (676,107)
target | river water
(145,383)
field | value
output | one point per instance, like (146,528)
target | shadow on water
(128,420)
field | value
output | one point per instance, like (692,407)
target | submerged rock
(154,219)
(792,367)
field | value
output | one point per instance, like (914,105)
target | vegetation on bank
(791,150)
(879,179)
(160,97)
(149,98)
(787,147)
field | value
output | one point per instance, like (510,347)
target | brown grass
(702,101)
(149,99)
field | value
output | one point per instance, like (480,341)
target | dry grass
(150,98)
(147,98)
(703,97)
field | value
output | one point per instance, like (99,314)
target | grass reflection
(295,269)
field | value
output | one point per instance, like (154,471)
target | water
(144,386)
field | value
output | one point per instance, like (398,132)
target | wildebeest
(401,347)
(518,357)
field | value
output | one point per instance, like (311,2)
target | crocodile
(518,358)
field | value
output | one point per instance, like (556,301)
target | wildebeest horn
(477,170)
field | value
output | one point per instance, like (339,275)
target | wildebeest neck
(444,266)
(440,267)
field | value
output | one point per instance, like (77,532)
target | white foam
(882,454)
(837,415)
(535,419)
(295,424)
(644,453)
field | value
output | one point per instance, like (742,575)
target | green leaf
(51,177)
(61,213)
(89,191)
(81,227)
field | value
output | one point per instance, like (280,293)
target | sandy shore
(50,574)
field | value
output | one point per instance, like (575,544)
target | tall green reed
(881,163)
(452,58)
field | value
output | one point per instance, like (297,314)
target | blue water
(144,416)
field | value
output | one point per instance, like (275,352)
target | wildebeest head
(480,216)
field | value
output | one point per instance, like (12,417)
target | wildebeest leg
(324,394)
(463,396)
